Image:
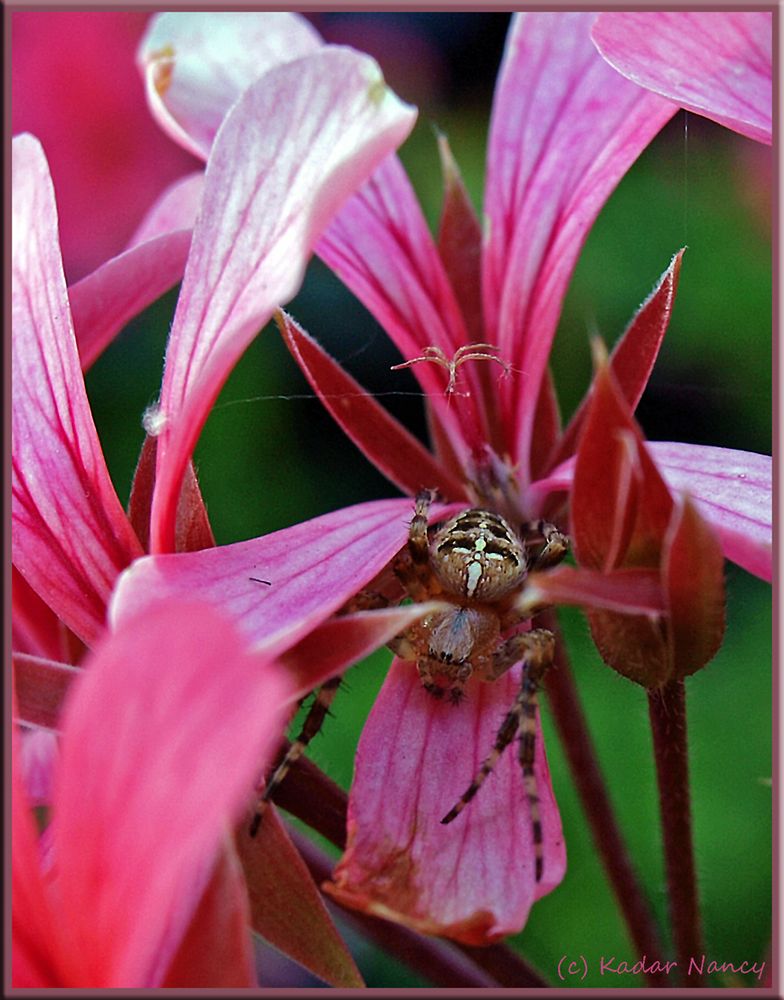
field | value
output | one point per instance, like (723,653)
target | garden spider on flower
(477,564)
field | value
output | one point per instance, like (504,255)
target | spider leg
(310,727)
(556,543)
(412,567)
(365,600)
(536,650)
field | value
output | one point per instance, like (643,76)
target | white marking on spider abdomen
(474,576)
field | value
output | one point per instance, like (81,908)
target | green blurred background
(266,462)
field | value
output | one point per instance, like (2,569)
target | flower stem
(570,720)
(667,709)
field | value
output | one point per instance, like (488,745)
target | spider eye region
(478,555)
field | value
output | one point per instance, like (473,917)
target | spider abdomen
(477,555)
(463,634)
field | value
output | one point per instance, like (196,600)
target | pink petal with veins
(564,131)
(196,64)
(145,792)
(381,248)
(70,534)
(104,301)
(733,490)
(291,150)
(718,64)
(311,570)
(472,880)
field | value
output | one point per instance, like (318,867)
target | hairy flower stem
(667,710)
(567,712)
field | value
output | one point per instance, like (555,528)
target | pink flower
(138,884)
(715,63)
(555,154)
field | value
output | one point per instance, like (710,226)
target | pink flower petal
(33,926)
(41,686)
(176,208)
(732,490)
(472,880)
(381,248)
(36,629)
(715,63)
(196,64)
(291,150)
(38,751)
(144,792)
(628,591)
(564,131)
(385,442)
(70,535)
(104,301)
(344,640)
(312,569)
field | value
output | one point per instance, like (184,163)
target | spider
(477,564)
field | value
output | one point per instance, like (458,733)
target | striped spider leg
(312,724)
(324,695)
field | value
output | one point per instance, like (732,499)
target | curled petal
(279,587)
(472,880)
(717,64)
(70,535)
(733,490)
(196,64)
(564,131)
(152,787)
(290,151)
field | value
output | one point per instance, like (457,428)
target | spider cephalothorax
(476,564)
